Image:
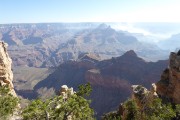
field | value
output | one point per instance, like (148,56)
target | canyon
(50,44)
(47,56)
(111,79)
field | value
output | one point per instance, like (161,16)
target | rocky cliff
(6,75)
(168,87)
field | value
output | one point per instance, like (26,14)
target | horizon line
(81,22)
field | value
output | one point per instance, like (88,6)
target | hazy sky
(35,11)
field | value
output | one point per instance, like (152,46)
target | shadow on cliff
(111,80)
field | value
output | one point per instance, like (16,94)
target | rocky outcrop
(6,75)
(66,92)
(141,94)
(168,87)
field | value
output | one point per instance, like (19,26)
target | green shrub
(111,116)
(57,108)
(150,110)
(158,110)
(8,103)
(131,110)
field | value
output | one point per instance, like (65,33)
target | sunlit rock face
(6,75)
(169,86)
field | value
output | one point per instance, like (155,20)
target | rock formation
(6,75)
(168,88)
(66,92)
(141,95)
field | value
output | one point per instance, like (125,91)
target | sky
(37,11)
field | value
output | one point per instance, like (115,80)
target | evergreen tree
(8,103)
(75,107)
